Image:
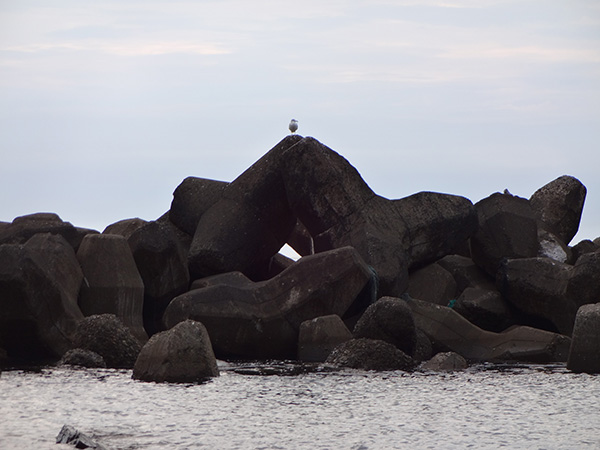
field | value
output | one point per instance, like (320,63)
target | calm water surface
(533,407)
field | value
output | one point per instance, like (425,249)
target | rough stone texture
(466,273)
(581,248)
(445,362)
(261,320)
(24,227)
(449,331)
(192,198)
(38,310)
(436,224)
(106,335)
(538,287)
(125,227)
(162,265)
(485,308)
(112,281)
(301,240)
(370,354)
(70,435)
(423,347)
(433,284)
(182,354)
(584,355)
(318,337)
(507,229)
(389,319)
(82,358)
(301,179)
(248,224)
(559,205)
(584,284)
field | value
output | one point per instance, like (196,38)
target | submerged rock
(445,362)
(370,354)
(70,435)
(82,358)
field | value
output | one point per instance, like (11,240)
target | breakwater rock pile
(381,284)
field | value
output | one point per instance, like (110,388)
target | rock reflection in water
(486,406)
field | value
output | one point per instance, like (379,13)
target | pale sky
(106,106)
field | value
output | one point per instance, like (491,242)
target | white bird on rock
(293,125)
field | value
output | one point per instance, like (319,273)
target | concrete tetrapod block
(584,355)
(112,282)
(182,354)
(262,319)
(318,337)
(449,330)
(39,282)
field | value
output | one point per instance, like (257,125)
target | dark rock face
(466,273)
(106,335)
(301,179)
(24,227)
(192,198)
(182,354)
(162,265)
(445,362)
(507,229)
(261,320)
(584,355)
(318,337)
(112,282)
(389,319)
(584,284)
(559,205)
(370,354)
(436,224)
(70,435)
(449,331)
(581,248)
(537,287)
(485,308)
(249,223)
(38,289)
(125,227)
(82,358)
(433,284)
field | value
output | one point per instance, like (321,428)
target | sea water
(485,406)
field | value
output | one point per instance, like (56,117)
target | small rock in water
(69,435)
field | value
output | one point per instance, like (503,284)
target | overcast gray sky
(106,106)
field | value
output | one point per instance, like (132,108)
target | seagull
(293,125)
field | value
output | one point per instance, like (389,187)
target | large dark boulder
(319,336)
(537,287)
(449,331)
(24,227)
(249,223)
(559,205)
(507,229)
(432,283)
(584,283)
(389,319)
(584,355)
(192,198)
(112,282)
(248,319)
(38,290)
(466,273)
(125,227)
(485,308)
(370,354)
(106,335)
(436,224)
(182,354)
(162,265)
